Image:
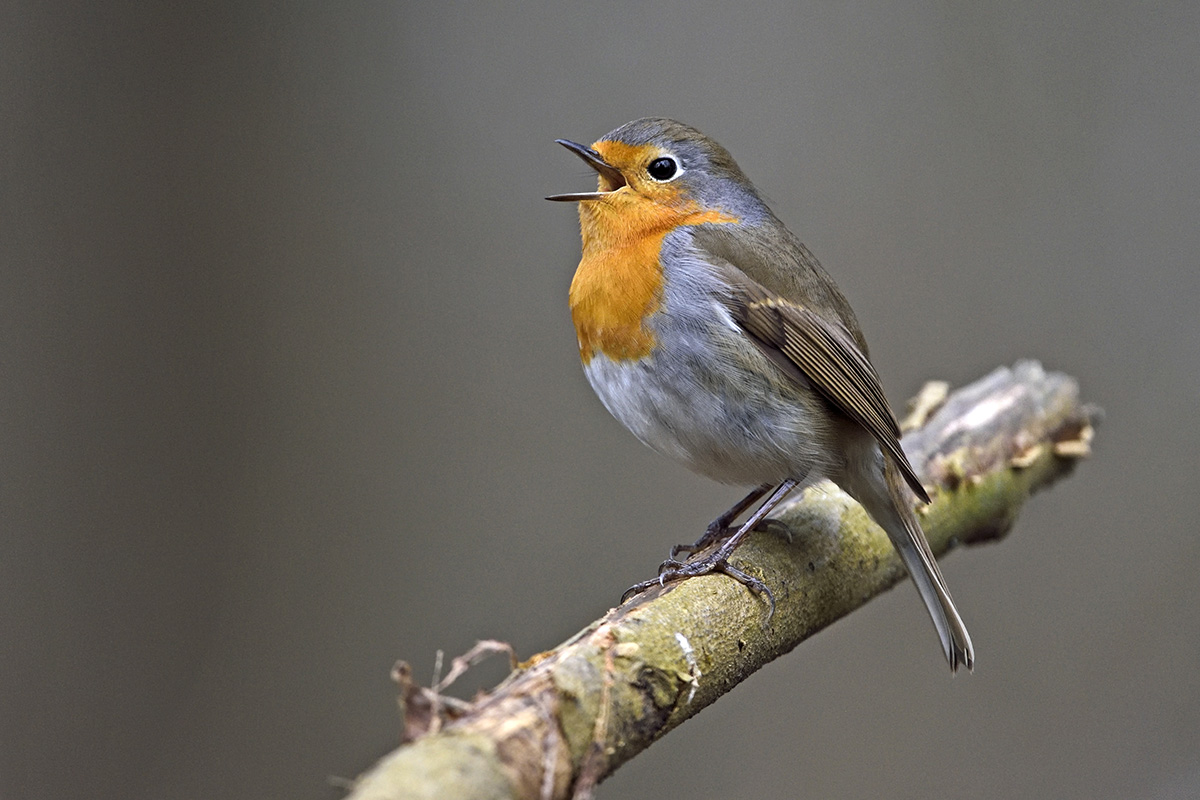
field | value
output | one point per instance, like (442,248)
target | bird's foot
(672,570)
(718,531)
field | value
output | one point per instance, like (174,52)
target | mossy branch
(568,717)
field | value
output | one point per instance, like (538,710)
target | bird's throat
(619,282)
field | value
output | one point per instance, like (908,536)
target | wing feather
(827,355)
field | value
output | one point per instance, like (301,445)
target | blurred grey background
(289,390)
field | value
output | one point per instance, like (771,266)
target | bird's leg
(717,560)
(718,529)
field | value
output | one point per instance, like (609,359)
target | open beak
(611,178)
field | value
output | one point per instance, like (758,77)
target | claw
(719,529)
(716,561)
(753,584)
(677,571)
(669,565)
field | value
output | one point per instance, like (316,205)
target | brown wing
(826,354)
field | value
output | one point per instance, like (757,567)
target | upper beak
(594,160)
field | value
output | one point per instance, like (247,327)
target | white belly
(733,424)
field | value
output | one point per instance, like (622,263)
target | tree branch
(568,717)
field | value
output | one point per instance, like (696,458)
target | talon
(753,584)
(669,565)
(677,571)
(637,589)
(671,569)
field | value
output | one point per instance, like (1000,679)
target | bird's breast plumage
(701,392)
(619,282)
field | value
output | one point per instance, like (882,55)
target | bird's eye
(663,169)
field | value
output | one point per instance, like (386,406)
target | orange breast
(619,281)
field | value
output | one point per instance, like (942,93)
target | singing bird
(710,332)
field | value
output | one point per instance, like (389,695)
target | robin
(713,334)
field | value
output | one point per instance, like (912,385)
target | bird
(715,336)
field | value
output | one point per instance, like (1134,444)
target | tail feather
(892,510)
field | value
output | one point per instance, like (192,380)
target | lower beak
(594,160)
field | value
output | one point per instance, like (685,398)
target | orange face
(632,160)
(619,280)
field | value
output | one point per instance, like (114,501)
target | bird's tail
(892,510)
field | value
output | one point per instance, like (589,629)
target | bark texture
(566,718)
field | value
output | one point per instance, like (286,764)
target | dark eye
(663,169)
